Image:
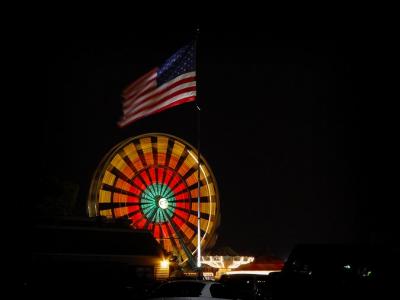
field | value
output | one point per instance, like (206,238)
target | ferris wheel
(152,181)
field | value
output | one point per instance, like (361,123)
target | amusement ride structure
(152,180)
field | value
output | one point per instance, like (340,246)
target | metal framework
(152,181)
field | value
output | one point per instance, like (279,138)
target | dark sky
(285,125)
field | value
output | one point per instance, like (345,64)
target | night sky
(286,126)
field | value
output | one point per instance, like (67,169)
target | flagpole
(198,155)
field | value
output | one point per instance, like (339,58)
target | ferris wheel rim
(214,198)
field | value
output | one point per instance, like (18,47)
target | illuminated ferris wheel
(152,181)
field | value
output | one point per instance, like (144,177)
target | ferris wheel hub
(163,203)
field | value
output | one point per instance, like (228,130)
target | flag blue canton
(183,61)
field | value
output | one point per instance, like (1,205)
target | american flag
(171,84)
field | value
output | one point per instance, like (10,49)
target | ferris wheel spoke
(186,191)
(183,209)
(156,180)
(113,189)
(127,213)
(141,179)
(194,228)
(179,187)
(152,190)
(191,241)
(158,189)
(147,210)
(189,173)
(128,161)
(164,190)
(169,212)
(180,193)
(171,202)
(176,229)
(168,183)
(169,177)
(203,199)
(146,171)
(145,199)
(168,193)
(133,214)
(203,182)
(145,176)
(160,174)
(153,178)
(138,220)
(183,239)
(119,174)
(158,216)
(140,153)
(182,158)
(147,207)
(180,218)
(149,220)
(163,175)
(133,184)
(177,182)
(153,175)
(170,147)
(171,233)
(203,215)
(154,149)
(169,197)
(112,205)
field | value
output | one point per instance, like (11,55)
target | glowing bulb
(163,203)
(164,264)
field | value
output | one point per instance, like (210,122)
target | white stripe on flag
(141,88)
(165,86)
(135,106)
(137,82)
(126,121)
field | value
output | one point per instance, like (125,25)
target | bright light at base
(250,272)
(226,262)
(164,264)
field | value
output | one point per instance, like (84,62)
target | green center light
(158,203)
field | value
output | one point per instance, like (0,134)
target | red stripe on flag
(139,81)
(139,94)
(145,95)
(144,98)
(152,104)
(189,98)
